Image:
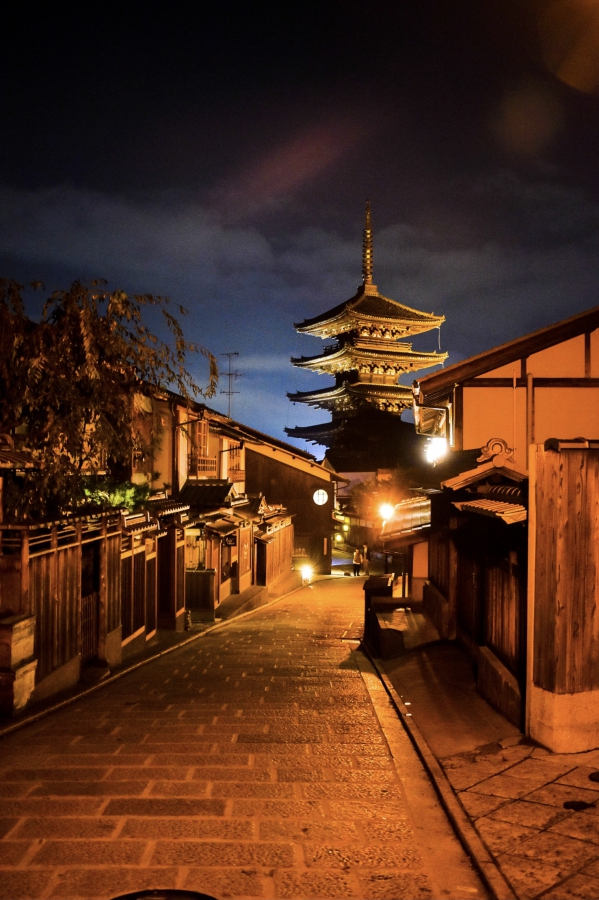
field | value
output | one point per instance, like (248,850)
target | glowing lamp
(386,511)
(435,449)
(306,573)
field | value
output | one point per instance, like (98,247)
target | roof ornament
(367,248)
(496,451)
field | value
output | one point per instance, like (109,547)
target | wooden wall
(566,582)
(279,553)
(294,489)
(438,559)
(55,601)
(505,597)
(478,564)
(113,582)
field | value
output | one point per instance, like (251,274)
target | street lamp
(386,511)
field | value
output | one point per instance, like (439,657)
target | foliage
(70,384)
(118,495)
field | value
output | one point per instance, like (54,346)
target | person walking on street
(366,560)
(357,561)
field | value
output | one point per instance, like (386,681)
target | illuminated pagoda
(366,360)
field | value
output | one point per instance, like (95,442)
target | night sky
(222,155)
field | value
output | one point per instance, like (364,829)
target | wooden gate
(491,590)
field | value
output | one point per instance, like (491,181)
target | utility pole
(232,376)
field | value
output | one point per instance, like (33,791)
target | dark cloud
(222,155)
(244,290)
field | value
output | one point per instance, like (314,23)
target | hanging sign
(230,540)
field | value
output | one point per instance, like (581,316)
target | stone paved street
(250,763)
(537,812)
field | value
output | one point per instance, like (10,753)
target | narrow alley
(250,763)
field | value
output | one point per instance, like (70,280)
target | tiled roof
(498,509)
(205,495)
(371,304)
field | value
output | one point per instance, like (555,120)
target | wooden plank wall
(491,588)
(439,552)
(502,625)
(468,595)
(127,595)
(566,623)
(180,587)
(55,600)
(279,554)
(113,582)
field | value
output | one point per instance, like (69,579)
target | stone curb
(35,717)
(490,873)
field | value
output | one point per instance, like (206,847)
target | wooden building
(207,446)
(513,567)
(522,392)
(82,592)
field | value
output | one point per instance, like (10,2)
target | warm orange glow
(307,572)
(570,37)
(436,449)
(386,510)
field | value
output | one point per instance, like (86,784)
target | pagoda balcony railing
(236,473)
(201,466)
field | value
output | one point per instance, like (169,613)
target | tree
(69,383)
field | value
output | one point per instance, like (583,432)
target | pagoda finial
(367,248)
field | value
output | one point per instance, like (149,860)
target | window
(198,433)
(199,464)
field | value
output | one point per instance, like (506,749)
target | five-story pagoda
(366,360)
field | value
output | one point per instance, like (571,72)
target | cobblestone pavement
(250,763)
(537,812)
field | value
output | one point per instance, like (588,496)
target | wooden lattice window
(199,463)
(198,434)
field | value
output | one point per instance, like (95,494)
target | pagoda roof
(315,433)
(369,305)
(342,358)
(349,395)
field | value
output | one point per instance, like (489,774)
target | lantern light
(386,511)
(435,449)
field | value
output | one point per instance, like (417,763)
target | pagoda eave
(352,359)
(346,397)
(377,309)
(315,433)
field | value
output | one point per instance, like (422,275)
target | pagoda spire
(367,248)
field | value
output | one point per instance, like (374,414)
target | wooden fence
(64,574)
